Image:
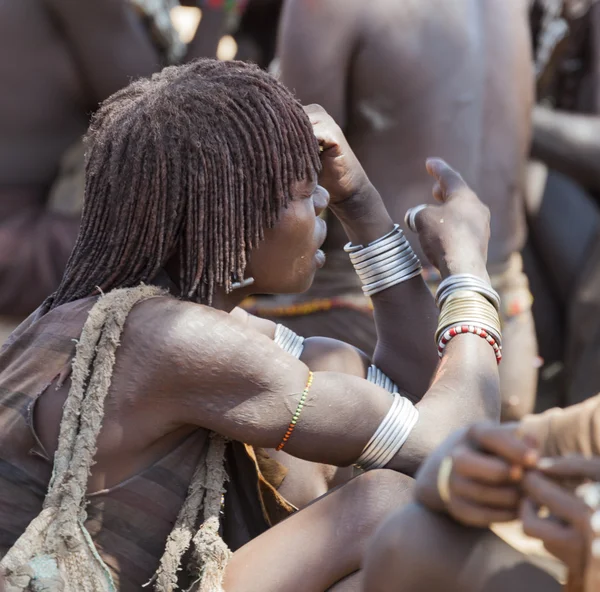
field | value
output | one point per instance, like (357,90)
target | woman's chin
(298,285)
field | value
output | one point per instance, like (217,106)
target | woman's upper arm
(213,371)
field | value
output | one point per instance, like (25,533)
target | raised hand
(342,174)
(455,234)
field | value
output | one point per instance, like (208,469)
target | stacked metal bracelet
(391,434)
(289,341)
(466,281)
(376,376)
(384,263)
(468,305)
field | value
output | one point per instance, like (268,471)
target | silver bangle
(376,376)
(390,436)
(385,262)
(466,281)
(373,289)
(368,450)
(289,341)
(378,247)
(350,248)
(409,416)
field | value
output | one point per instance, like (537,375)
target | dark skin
(496,476)
(161,386)
(61,58)
(567,532)
(407,80)
(328,55)
(491,470)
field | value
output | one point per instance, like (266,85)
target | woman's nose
(320,199)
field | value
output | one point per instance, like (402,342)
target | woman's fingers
(450,182)
(503,441)
(560,503)
(547,530)
(483,468)
(478,516)
(570,467)
(563,541)
(325,134)
(497,497)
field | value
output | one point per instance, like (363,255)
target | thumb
(449,181)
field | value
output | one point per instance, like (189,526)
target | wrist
(473,265)
(363,215)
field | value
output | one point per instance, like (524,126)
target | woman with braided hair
(160,403)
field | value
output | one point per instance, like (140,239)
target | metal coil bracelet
(386,262)
(390,436)
(468,304)
(289,341)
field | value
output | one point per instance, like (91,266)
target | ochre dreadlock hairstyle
(198,160)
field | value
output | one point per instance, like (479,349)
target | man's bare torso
(448,78)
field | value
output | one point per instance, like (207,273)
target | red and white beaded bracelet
(478,330)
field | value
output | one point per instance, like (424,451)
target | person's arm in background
(109,47)
(35,245)
(211,28)
(316,42)
(561,432)
(315,46)
(568,142)
(109,42)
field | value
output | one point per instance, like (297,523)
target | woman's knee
(389,489)
(374,495)
(401,555)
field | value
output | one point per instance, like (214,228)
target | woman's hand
(573,469)
(565,532)
(353,199)
(455,234)
(488,462)
(342,174)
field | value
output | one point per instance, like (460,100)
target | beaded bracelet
(475,330)
(296,416)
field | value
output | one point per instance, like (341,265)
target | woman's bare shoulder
(166,331)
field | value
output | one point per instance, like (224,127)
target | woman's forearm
(405,314)
(465,390)
(568,143)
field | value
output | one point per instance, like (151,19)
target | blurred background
(507,92)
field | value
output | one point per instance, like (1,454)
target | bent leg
(419,551)
(321,545)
